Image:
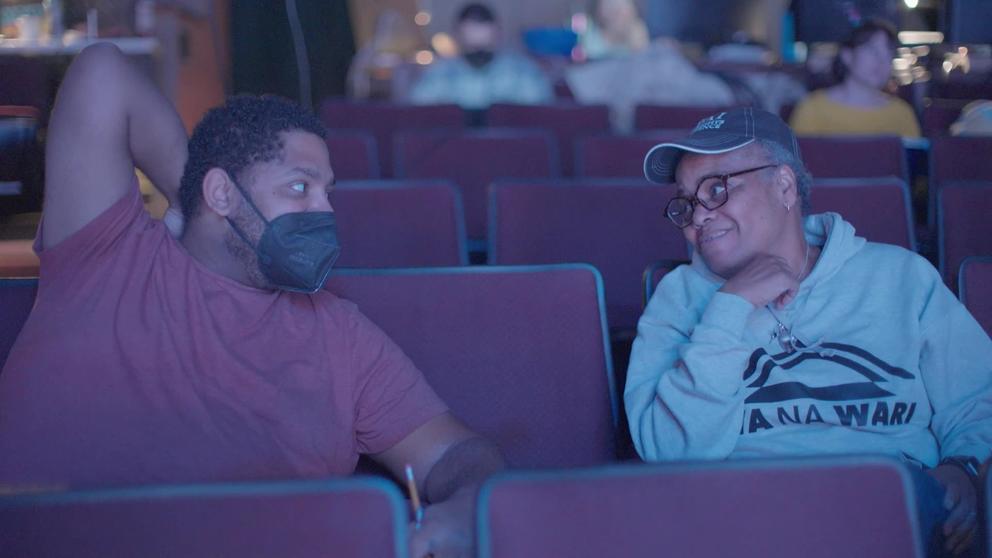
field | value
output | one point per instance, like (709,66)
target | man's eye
(299,187)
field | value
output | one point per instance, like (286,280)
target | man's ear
(219,192)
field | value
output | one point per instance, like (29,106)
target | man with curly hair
(209,354)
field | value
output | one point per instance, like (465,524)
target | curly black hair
(234,136)
(477,12)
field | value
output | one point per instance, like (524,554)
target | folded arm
(684,392)
(108,119)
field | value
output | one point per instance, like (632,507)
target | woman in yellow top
(858,105)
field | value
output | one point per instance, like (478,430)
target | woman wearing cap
(858,104)
(788,335)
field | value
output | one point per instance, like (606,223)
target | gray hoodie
(890,362)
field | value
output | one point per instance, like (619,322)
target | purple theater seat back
(16,301)
(651,117)
(518,353)
(384,120)
(473,160)
(957,159)
(567,121)
(354,155)
(939,114)
(961,158)
(975,289)
(399,224)
(964,228)
(614,156)
(617,226)
(840,507)
(878,208)
(345,517)
(854,156)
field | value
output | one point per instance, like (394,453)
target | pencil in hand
(411,486)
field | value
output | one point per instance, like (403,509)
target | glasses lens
(713,193)
(679,210)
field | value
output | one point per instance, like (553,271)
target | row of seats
(474,158)
(616,225)
(514,335)
(858,507)
(567,121)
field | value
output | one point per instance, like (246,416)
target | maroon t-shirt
(138,365)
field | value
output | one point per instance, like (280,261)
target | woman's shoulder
(897,104)
(817,97)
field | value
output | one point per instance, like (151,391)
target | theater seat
(975,289)
(354,154)
(854,156)
(654,273)
(856,507)
(343,517)
(394,223)
(617,226)
(567,121)
(963,225)
(879,208)
(384,120)
(473,160)
(518,353)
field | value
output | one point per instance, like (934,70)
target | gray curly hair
(782,156)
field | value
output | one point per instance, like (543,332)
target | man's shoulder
(340,310)
(514,59)
(328,301)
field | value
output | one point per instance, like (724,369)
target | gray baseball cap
(720,133)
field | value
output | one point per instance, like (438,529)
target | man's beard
(252,226)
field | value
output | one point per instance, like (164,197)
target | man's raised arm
(108,118)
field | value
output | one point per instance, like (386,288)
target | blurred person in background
(661,74)
(484,73)
(616,29)
(858,104)
(393,42)
(975,119)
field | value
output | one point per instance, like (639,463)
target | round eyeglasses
(711,193)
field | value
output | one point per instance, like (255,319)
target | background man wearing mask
(484,74)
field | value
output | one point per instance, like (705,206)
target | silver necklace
(783,334)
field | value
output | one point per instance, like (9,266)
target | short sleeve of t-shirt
(95,241)
(392,397)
